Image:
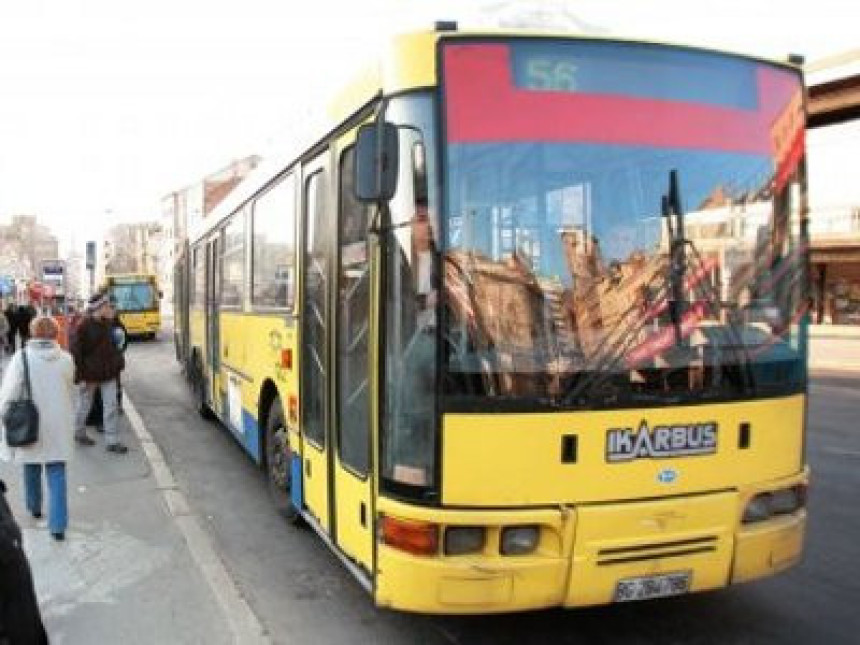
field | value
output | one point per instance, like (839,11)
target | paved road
(301,593)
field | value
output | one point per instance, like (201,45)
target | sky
(106,106)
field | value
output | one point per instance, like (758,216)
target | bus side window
(233,277)
(274,246)
(198,278)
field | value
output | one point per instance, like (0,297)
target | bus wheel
(278,463)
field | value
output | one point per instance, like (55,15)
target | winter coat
(11,316)
(51,383)
(97,358)
(20,620)
(23,317)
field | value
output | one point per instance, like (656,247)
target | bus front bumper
(595,554)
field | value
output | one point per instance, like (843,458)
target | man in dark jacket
(98,363)
(11,313)
(24,316)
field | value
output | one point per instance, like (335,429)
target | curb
(244,625)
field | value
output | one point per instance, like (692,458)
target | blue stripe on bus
(296,481)
(248,435)
(251,440)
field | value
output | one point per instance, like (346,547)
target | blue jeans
(58,512)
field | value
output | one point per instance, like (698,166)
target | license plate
(659,586)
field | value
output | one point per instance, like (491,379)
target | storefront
(836,283)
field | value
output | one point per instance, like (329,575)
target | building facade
(834,187)
(24,246)
(131,248)
(182,209)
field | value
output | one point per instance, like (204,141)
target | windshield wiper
(674,216)
(623,347)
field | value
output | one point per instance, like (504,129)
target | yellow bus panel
(141,323)
(249,369)
(520,454)
(586,552)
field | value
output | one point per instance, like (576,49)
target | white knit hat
(96,302)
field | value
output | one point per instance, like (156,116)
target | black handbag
(21,418)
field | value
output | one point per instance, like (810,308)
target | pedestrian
(11,316)
(51,378)
(4,334)
(20,620)
(98,363)
(95,417)
(23,317)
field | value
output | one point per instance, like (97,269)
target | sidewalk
(127,571)
(834,348)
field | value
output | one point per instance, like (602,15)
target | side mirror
(376,162)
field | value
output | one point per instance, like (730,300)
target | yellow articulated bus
(524,324)
(137,300)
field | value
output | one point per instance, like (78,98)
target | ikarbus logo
(661,442)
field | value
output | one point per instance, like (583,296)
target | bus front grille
(655,550)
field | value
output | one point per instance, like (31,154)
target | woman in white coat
(51,382)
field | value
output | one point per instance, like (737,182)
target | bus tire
(278,463)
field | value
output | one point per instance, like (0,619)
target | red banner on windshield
(484,105)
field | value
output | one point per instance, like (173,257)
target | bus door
(315,340)
(352,480)
(213,293)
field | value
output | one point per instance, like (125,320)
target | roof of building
(834,89)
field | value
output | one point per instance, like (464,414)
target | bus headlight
(520,540)
(779,502)
(758,509)
(786,500)
(460,540)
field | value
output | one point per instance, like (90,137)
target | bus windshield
(623,225)
(139,296)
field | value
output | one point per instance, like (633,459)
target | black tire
(278,463)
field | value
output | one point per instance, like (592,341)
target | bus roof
(408,62)
(128,277)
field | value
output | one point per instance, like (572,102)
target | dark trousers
(20,620)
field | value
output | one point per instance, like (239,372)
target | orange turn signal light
(287,359)
(294,408)
(417,538)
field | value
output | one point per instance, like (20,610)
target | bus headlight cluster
(779,502)
(461,540)
(520,540)
(422,538)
